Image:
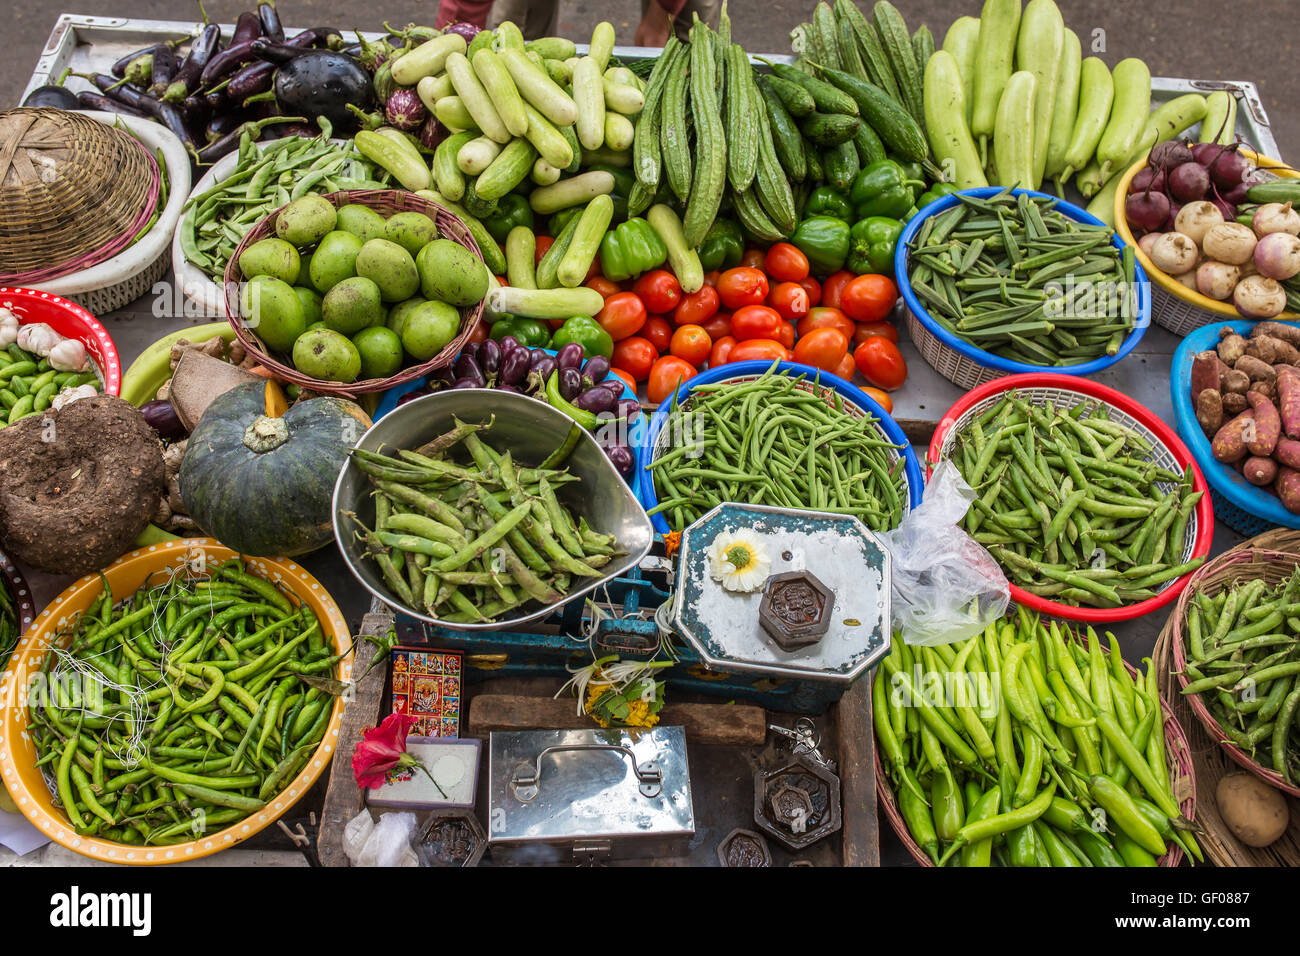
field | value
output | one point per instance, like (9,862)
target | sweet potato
(1235,381)
(1231,346)
(1278,330)
(1288,400)
(1209,411)
(1287,452)
(1234,403)
(1259,471)
(1268,425)
(1287,487)
(1205,373)
(1257,371)
(1229,442)
(1262,348)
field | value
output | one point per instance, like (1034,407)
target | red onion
(1189,182)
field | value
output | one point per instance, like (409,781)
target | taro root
(1257,371)
(1262,348)
(1231,346)
(78,485)
(1235,380)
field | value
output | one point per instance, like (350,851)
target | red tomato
(542,244)
(756,322)
(790,299)
(692,343)
(711,279)
(865,330)
(634,356)
(826,318)
(667,373)
(822,348)
(880,363)
(785,334)
(761,350)
(603,286)
(659,290)
(720,354)
(786,263)
(752,259)
(623,315)
(696,307)
(742,286)
(833,287)
(869,298)
(479,334)
(658,332)
(882,398)
(718,325)
(847,368)
(631,382)
(555,324)
(814,290)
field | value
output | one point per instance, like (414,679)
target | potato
(1287,487)
(1259,471)
(1253,367)
(1234,380)
(1229,442)
(1234,403)
(1256,814)
(1209,411)
(1205,373)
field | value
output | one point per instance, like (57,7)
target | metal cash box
(588,796)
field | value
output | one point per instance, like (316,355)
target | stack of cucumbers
(761,140)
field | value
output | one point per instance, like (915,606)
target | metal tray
(90,44)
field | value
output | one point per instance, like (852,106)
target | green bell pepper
(629,249)
(825,241)
(882,189)
(915,173)
(624,180)
(532,333)
(587,333)
(825,201)
(934,193)
(723,246)
(872,243)
(512,210)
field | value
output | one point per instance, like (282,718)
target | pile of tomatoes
(769,307)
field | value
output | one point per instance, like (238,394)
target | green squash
(262,483)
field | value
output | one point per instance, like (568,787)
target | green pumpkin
(262,484)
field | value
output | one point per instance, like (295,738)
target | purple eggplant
(466,366)
(538,356)
(226,62)
(514,366)
(489,357)
(508,344)
(628,408)
(570,356)
(201,51)
(468,383)
(595,371)
(88,100)
(247,28)
(571,384)
(57,97)
(508,388)
(539,373)
(218,148)
(405,111)
(467,30)
(432,133)
(161,417)
(471,350)
(166,64)
(317,83)
(270,21)
(414,394)
(595,399)
(119,68)
(620,456)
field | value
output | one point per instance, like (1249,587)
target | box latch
(591,852)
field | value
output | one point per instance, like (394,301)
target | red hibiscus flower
(382,750)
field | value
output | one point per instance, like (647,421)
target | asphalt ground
(1178,38)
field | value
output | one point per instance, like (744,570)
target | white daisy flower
(739,561)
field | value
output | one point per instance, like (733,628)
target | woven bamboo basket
(73,193)
(1178,756)
(386,202)
(1243,563)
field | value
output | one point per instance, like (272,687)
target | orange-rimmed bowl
(126,575)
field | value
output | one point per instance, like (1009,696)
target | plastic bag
(355,835)
(946,587)
(389,844)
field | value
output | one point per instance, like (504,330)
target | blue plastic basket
(742,371)
(634,432)
(1245,508)
(967,365)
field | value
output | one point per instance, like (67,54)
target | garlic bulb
(70,395)
(8,327)
(69,356)
(38,338)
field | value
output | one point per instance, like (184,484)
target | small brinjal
(55,96)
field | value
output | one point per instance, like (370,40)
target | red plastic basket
(71,321)
(1071,390)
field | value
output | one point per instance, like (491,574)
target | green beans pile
(770,442)
(469,541)
(997,273)
(1070,504)
(9,626)
(28,384)
(1025,746)
(182,708)
(264,179)
(1242,648)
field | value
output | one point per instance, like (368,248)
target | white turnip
(1230,242)
(1278,255)
(1174,253)
(1275,217)
(1217,279)
(1147,241)
(1197,218)
(1259,297)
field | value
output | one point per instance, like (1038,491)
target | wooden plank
(856,754)
(737,725)
(343,796)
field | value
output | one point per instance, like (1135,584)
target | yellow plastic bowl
(126,575)
(1167,282)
